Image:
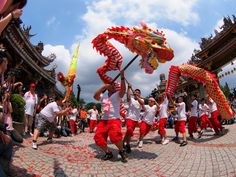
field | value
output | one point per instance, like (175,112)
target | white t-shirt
(163,109)
(30,102)
(194,108)
(181,109)
(203,109)
(73,114)
(50,110)
(149,114)
(111,106)
(212,106)
(93,113)
(134,110)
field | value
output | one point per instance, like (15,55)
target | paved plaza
(79,156)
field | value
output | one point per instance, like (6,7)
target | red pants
(72,126)
(192,125)
(105,128)
(215,122)
(205,121)
(144,128)
(161,129)
(92,125)
(131,124)
(180,126)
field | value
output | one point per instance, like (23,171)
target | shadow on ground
(58,171)
(56,142)
(135,154)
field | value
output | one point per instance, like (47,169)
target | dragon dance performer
(180,125)
(192,124)
(214,117)
(110,124)
(163,115)
(203,113)
(148,119)
(133,115)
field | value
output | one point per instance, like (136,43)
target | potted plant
(18,107)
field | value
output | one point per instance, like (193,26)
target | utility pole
(78,92)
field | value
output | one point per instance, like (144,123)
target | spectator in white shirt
(93,118)
(31,101)
(47,119)
(133,115)
(73,114)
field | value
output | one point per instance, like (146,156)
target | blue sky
(60,24)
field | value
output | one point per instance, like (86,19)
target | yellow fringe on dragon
(208,79)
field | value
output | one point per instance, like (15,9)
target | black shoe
(200,134)
(124,156)
(128,148)
(124,145)
(108,156)
(191,137)
(184,143)
(175,139)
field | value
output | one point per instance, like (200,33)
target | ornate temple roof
(215,51)
(16,40)
(19,42)
(218,50)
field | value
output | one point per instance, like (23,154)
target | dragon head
(146,42)
(151,45)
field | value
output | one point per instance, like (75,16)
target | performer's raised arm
(97,95)
(123,87)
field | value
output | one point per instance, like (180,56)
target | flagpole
(118,75)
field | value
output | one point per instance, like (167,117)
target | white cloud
(62,61)
(218,25)
(51,21)
(179,11)
(106,13)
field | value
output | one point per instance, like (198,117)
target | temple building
(215,52)
(27,60)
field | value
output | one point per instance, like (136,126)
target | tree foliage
(18,106)
(226,90)
(91,104)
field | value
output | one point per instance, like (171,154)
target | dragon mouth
(149,62)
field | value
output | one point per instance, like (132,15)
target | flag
(72,73)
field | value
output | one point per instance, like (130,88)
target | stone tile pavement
(78,156)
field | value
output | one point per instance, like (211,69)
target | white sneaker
(166,141)
(137,142)
(140,144)
(34,146)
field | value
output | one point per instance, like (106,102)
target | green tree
(81,102)
(18,106)
(226,90)
(73,99)
(91,104)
